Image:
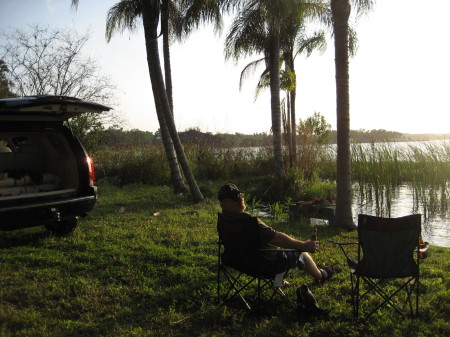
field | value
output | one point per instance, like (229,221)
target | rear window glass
(58,144)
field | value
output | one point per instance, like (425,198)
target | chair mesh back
(241,241)
(388,245)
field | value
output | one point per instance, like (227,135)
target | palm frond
(352,41)
(263,83)
(249,70)
(362,6)
(75,4)
(309,44)
(196,12)
(248,33)
(123,16)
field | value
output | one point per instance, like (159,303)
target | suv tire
(63,227)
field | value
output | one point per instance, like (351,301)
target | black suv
(46,177)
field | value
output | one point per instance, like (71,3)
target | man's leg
(310,266)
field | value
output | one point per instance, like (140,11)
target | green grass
(143,263)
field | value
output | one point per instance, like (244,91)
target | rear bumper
(44,212)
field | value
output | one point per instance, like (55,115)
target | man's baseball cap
(228,191)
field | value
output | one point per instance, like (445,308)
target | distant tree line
(369,136)
(117,137)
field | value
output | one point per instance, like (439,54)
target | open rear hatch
(38,156)
(46,108)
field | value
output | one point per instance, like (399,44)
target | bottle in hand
(422,252)
(313,234)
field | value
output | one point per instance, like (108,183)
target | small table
(303,212)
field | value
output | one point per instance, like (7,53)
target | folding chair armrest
(268,250)
(342,243)
(350,261)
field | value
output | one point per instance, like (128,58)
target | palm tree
(290,49)
(150,10)
(178,20)
(124,15)
(150,14)
(256,29)
(268,27)
(294,42)
(341,12)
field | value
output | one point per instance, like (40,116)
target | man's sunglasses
(239,196)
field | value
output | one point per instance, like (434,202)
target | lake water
(435,223)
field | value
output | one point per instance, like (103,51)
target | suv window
(58,144)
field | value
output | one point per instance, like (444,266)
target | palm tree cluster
(273,29)
(279,34)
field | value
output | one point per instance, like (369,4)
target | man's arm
(285,241)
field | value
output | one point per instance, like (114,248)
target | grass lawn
(143,263)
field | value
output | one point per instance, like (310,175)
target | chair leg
(410,290)
(388,298)
(417,295)
(235,285)
(352,300)
(233,281)
(356,300)
(258,303)
(218,284)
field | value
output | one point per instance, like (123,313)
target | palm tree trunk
(274,65)
(150,15)
(292,95)
(341,12)
(176,177)
(289,127)
(166,52)
(294,129)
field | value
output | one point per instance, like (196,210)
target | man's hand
(311,246)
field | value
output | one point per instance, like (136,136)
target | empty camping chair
(387,256)
(239,267)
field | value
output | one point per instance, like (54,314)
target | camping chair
(387,251)
(238,268)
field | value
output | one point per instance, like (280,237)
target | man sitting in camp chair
(270,262)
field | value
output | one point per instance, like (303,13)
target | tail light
(90,164)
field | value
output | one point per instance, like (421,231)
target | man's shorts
(294,259)
(283,262)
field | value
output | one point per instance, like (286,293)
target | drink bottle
(313,234)
(422,255)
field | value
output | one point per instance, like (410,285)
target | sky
(399,78)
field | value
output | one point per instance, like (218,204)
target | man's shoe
(307,304)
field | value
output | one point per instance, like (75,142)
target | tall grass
(128,165)
(211,163)
(149,164)
(377,169)
(380,169)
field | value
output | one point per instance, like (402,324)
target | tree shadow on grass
(23,237)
